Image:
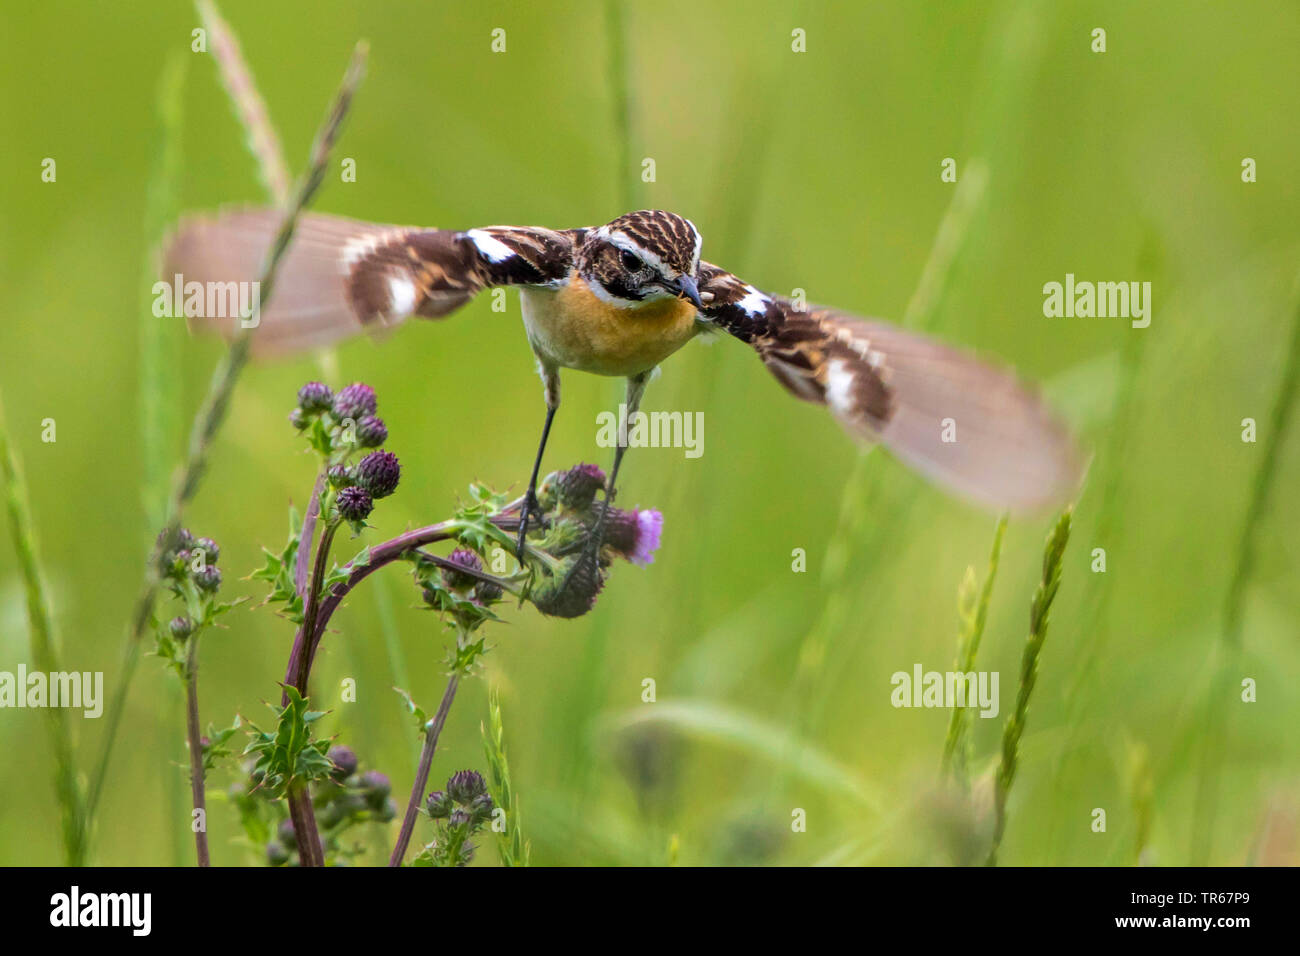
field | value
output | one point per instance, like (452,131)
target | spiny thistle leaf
(289,755)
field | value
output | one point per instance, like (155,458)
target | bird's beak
(687,287)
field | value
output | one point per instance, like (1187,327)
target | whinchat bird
(620,298)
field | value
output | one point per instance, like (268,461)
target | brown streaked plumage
(620,298)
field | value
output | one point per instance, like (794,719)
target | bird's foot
(529,513)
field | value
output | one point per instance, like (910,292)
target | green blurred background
(817,170)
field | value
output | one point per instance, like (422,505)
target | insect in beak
(687,287)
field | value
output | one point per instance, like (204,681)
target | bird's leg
(635,389)
(551,377)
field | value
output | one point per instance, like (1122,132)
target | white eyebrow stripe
(489,245)
(622,240)
(699,241)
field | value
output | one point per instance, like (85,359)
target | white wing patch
(402,294)
(754,302)
(493,248)
(839,387)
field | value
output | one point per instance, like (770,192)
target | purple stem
(302,560)
(307,640)
(196,748)
(422,772)
(305,833)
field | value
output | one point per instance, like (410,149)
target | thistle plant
(343,799)
(562,574)
(190,574)
(458,813)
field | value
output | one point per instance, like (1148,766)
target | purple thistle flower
(371,431)
(355,402)
(315,397)
(379,473)
(354,503)
(634,534)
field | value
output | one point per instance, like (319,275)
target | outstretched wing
(340,276)
(970,426)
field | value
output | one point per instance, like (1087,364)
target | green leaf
(217,739)
(289,755)
(414,709)
(278,570)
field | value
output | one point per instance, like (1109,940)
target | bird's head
(641,257)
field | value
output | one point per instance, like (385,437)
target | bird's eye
(631,262)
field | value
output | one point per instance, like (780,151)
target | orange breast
(574,328)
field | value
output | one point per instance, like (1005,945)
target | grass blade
(250,108)
(973,614)
(514,849)
(212,413)
(1014,728)
(1217,713)
(40,624)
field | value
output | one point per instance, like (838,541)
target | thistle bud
(344,761)
(276,854)
(209,548)
(465,785)
(571,591)
(371,431)
(458,580)
(577,487)
(487,592)
(379,473)
(341,476)
(209,579)
(354,503)
(355,402)
(297,419)
(481,807)
(181,627)
(375,787)
(439,805)
(546,491)
(315,397)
